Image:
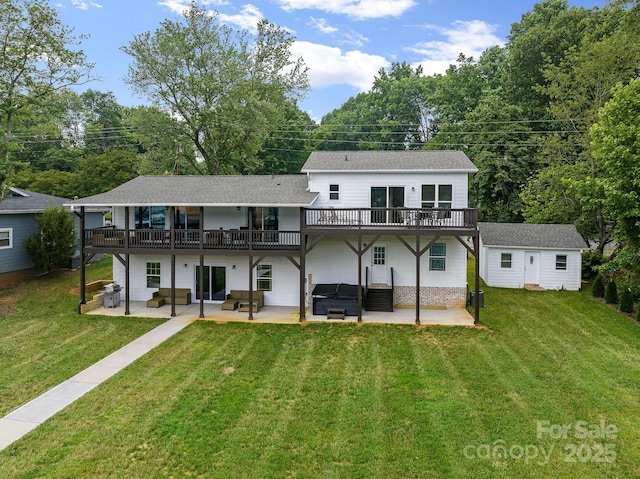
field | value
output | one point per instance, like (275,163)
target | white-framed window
(561,262)
(505,260)
(334,192)
(264,281)
(153,275)
(6,238)
(437,196)
(379,255)
(438,257)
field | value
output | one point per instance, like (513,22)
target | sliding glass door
(214,282)
(386,197)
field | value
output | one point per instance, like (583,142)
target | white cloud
(179,6)
(359,9)
(322,25)
(468,37)
(355,39)
(247,19)
(80,4)
(331,66)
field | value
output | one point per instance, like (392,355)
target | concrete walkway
(29,416)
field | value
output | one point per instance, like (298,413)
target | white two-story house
(354,227)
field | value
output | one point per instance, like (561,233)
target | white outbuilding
(513,255)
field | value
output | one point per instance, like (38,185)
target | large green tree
(616,145)
(226,87)
(37,58)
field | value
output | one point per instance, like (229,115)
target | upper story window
(6,238)
(149,217)
(437,196)
(561,262)
(505,260)
(187,218)
(334,192)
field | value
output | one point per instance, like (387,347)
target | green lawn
(348,401)
(43,341)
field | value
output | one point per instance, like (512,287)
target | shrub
(54,243)
(638,314)
(611,292)
(597,290)
(626,301)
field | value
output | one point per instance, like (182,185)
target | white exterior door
(532,267)
(379,262)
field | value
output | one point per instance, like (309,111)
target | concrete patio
(290,315)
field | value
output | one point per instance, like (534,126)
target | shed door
(532,267)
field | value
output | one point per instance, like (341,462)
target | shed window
(6,238)
(153,275)
(561,262)
(334,192)
(438,257)
(505,260)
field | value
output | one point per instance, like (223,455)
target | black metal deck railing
(344,219)
(220,239)
(418,218)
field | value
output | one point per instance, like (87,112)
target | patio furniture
(239,298)
(155,302)
(232,301)
(183,296)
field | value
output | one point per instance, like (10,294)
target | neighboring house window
(438,257)
(265,277)
(505,260)
(561,262)
(6,238)
(437,196)
(334,192)
(153,275)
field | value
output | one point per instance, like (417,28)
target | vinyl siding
(285,276)
(16,258)
(550,278)
(355,188)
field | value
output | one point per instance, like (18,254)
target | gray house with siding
(515,254)
(18,213)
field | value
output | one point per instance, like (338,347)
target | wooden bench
(336,313)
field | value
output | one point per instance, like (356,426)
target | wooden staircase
(379,299)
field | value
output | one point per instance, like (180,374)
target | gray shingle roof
(24,201)
(531,235)
(256,190)
(411,160)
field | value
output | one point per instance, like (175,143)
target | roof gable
(388,161)
(524,235)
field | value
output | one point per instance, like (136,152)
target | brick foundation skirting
(431,296)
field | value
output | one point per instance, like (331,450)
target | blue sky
(343,42)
